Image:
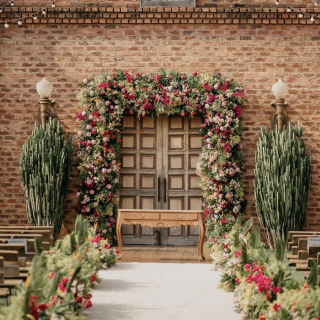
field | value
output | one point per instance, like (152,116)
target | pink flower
(276,307)
(95,204)
(223,221)
(91,191)
(85,80)
(109,186)
(104,170)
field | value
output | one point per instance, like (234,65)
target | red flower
(93,278)
(88,304)
(195,74)
(42,306)
(79,299)
(107,246)
(276,307)
(65,280)
(238,280)
(268,296)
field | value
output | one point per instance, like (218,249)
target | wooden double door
(158,171)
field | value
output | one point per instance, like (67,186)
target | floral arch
(103,100)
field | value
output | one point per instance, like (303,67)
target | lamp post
(44,88)
(279,112)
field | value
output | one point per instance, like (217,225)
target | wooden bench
(294,236)
(46,234)
(301,256)
(30,240)
(162,219)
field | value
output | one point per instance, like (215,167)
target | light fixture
(44,12)
(12,3)
(300,14)
(35,17)
(279,112)
(44,89)
(20,22)
(53,5)
(277,2)
(6,24)
(289,9)
(312,18)
(0,9)
(316,3)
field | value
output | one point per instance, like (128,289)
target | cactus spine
(45,168)
(282,182)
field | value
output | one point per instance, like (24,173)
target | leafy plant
(282,182)
(45,168)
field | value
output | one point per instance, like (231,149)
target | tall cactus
(45,168)
(282,182)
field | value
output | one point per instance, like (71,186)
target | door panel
(182,148)
(159,158)
(141,158)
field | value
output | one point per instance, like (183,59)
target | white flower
(78,194)
(88,134)
(216,86)
(54,316)
(85,80)
(109,78)
(79,133)
(84,113)
(91,93)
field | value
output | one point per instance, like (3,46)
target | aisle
(154,291)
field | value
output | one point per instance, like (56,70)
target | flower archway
(104,98)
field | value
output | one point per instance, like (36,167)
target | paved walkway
(160,291)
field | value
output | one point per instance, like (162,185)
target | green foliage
(280,249)
(313,276)
(45,168)
(282,182)
(37,246)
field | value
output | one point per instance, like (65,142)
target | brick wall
(256,51)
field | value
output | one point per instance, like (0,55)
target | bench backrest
(46,234)
(15,247)
(9,255)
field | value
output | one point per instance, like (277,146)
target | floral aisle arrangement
(264,286)
(104,99)
(61,280)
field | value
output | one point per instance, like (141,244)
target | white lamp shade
(280,89)
(44,88)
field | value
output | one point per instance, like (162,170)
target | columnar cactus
(45,167)
(282,182)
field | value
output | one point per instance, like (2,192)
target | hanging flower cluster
(104,98)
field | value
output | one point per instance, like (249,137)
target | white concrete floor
(154,291)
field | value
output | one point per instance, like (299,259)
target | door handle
(165,190)
(159,199)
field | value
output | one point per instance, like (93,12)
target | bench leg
(119,240)
(201,241)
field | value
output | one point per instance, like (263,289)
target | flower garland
(104,98)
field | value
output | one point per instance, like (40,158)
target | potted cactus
(282,182)
(45,168)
